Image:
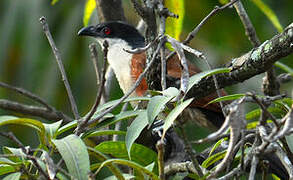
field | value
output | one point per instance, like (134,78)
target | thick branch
(110,10)
(33,110)
(250,64)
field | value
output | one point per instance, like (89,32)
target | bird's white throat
(120,61)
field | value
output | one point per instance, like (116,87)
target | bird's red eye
(107,31)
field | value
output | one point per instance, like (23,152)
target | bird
(127,68)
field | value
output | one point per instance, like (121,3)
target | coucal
(127,68)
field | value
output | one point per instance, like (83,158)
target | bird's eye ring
(107,31)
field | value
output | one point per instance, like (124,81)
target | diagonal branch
(254,62)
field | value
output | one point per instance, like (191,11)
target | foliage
(82,157)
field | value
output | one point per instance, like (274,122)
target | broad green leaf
(19,155)
(227,98)
(74,153)
(151,166)
(139,169)
(134,130)
(139,153)
(155,106)
(66,127)
(174,114)
(284,67)
(5,169)
(88,11)
(4,120)
(174,26)
(13,176)
(197,77)
(104,132)
(255,114)
(269,13)
(214,158)
(275,177)
(51,129)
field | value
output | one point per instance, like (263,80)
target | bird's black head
(114,30)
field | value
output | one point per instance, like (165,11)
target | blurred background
(27,61)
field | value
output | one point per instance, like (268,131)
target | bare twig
(33,110)
(94,58)
(28,94)
(187,166)
(84,122)
(60,65)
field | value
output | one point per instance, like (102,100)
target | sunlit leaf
(35,124)
(88,11)
(269,13)
(74,153)
(174,114)
(213,158)
(53,2)
(134,130)
(104,132)
(66,127)
(227,98)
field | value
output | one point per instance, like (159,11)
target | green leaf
(75,155)
(66,127)
(112,103)
(4,120)
(139,153)
(155,106)
(171,92)
(119,117)
(217,145)
(139,169)
(51,129)
(174,114)
(104,132)
(284,67)
(13,176)
(227,98)
(269,13)
(214,158)
(134,130)
(5,169)
(174,26)
(197,77)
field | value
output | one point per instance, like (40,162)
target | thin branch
(60,65)
(28,94)
(33,110)
(84,122)
(94,58)
(254,62)
(193,33)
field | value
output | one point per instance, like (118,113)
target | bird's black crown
(114,29)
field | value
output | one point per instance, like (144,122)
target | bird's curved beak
(88,31)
